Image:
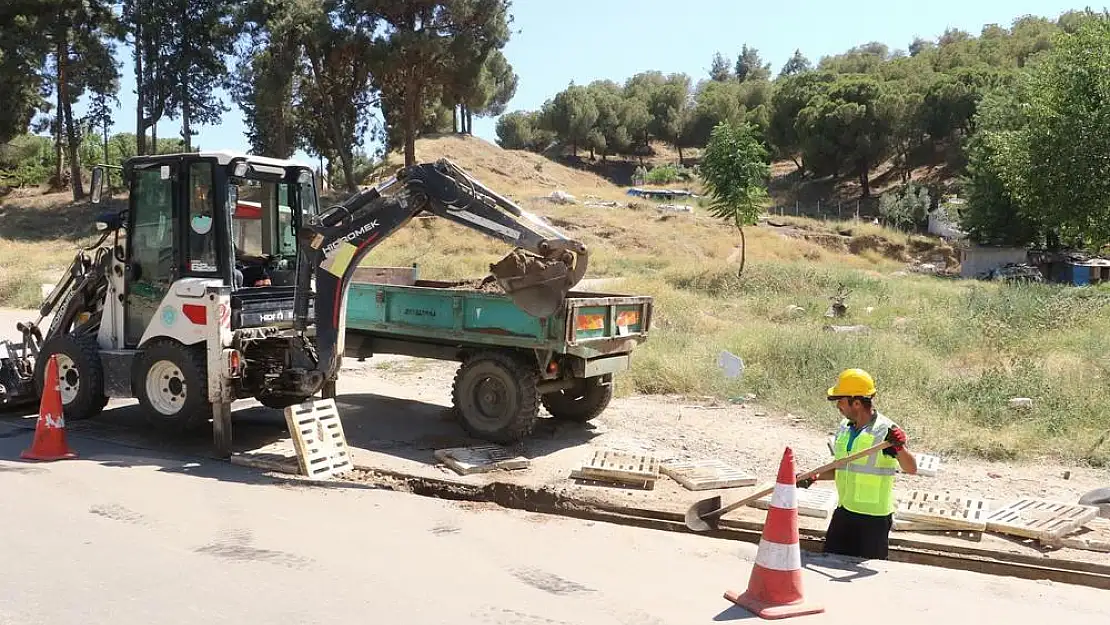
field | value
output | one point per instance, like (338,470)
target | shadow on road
(853,566)
(734,613)
(121,436)
(413,429)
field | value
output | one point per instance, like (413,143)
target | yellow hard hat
(853,383)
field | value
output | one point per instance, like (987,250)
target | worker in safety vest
(860,525)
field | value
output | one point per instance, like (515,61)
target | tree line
(841,116)
(307,74)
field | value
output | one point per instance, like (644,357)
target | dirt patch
(890,249)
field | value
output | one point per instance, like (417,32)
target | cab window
(202,237)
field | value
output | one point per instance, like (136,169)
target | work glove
(897,439)
(806,483)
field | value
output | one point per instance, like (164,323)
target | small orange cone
(775,588)
(50,431)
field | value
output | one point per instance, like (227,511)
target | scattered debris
(481,459)
(857,329)
(838,308)
(1094,535)
(731,364)
(1021,402)
(561,197)
(927,465)
(603,204)
(676,208)
(794,310)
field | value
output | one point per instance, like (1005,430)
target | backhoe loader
(223,279)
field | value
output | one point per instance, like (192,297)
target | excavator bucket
(538,285)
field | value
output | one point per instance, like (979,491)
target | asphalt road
(131,537)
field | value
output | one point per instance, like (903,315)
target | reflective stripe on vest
(866,485)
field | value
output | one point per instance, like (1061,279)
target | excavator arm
(537,274)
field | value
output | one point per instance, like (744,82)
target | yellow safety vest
(866,485)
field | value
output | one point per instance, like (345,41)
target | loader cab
(212,218)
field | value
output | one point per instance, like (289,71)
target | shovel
(705,514)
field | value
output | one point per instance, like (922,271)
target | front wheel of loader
(495,397)
(583,402)
(80,374)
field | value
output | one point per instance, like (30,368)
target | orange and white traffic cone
(775,587)
(50,430)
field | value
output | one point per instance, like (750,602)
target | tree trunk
(186,129)
(106,143)
(154,138)
(796,163)
(412,106)
(455,118)
(469,121)
(140,84)
(743,253)
(681,162)
(864,182)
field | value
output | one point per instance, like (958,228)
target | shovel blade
(537,285)
(698,517)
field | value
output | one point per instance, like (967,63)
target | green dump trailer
(511,362)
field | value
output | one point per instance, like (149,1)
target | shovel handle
(835,464)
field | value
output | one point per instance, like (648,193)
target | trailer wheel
(80,374)
(583,402)
(495,397)
(172,386)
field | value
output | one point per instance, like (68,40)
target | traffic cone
(50,431)
(775,587)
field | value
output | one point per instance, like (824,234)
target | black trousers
(858,535)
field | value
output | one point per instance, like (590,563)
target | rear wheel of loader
(583,402)
(80,374)
(495,397)
(171,384)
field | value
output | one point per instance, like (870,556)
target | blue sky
(555,42)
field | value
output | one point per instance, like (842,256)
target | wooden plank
(578,475)
(706,474)
(947,510)
(622,466)
(318,438)
(901,525)
(1039,519)
(481,459)
(813,501)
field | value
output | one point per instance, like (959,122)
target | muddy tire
(171,384)
(583,402)
(80,374)
(495,397)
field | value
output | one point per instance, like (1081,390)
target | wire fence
(829,210)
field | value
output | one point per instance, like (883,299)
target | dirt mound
(507,170)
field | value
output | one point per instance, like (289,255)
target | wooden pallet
(481,459)
(945,510)
(607,465)
(318,438)
(1039,519)
(813,501)
(1093,536)
(706,474)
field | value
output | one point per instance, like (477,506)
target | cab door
(152,237)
